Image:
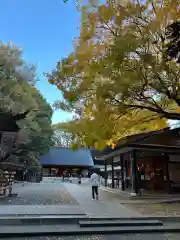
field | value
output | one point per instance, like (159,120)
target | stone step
(40,219)
(142,218)
(114,223)
(71,230)
(51,219)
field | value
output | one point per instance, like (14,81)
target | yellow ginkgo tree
(119,70)
(104,126)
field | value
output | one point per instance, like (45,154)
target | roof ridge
(151,134)
(69,148)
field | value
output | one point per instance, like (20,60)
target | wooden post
(126,182)
(122,173)
(167,172)
(105,171)
(49,172)
(112,165)
(133,172)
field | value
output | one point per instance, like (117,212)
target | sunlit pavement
(107,205)
(52,193)
(55,193)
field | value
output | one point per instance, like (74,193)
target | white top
(95,179)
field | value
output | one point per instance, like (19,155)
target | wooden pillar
(105,171)
(133,172)
(112,167)
(122,172)
(166,156)
(126,181)
(50,172)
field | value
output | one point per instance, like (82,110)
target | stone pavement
(62,198)
(40,198)
(108,205)
(40,194)
(55,197)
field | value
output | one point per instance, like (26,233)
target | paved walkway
(108,204)
(62,198)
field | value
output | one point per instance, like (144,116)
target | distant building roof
(67,157)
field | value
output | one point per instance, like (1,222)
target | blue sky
(45,30)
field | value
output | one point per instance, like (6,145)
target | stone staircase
(48,225)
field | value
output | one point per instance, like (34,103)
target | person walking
(79,179)
(95,181)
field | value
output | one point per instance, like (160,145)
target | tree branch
(161,112)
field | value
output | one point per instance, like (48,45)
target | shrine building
(61,160)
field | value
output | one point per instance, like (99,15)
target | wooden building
(60,161)
(149,161)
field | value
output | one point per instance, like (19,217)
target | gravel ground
(40,194)
(108,237)
(168,209)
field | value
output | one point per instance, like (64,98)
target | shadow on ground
(40,194)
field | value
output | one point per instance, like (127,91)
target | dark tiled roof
(138,138)
(124,142)
(169,137)
(67,157)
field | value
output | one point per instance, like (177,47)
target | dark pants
(95,192)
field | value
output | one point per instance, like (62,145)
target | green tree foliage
(119,70)
(18,95)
